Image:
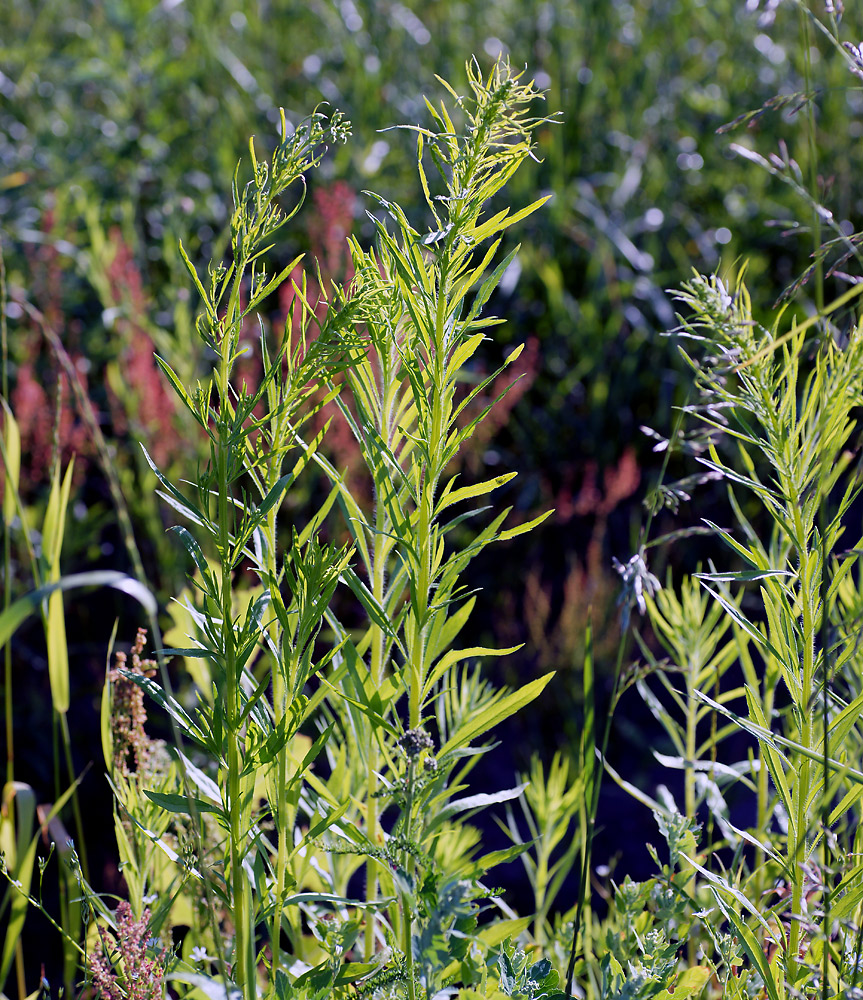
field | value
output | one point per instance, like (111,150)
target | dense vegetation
(334,714)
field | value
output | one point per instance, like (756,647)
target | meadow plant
(779,409)
(123,970)
(308,831)
(282,683)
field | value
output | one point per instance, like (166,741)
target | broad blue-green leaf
(203,782)
(483,799)
(212,989)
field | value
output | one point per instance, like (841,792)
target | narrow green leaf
(271,286)
(23,872)
(485,863)
(190,267)
(750,945)
(174,803)
(320,827)
(370,603)
(490,717)
(775,740)
(521,529)
(176,499)
(194,550)
(172,707)
(454,656)
(54,621)
(190,652)
(743,622)
(366,708)
(449,496)
(847,896)
(180,389)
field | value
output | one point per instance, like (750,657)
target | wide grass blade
(19,611)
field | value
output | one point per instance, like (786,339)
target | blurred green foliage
(121,122)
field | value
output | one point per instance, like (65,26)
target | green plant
(780,409)
(551,804)
(790,410)
(396,342)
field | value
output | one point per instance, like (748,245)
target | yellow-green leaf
(688,984)
(490,717)
(454,656)
(521,529)
(449,497)
(12,463)
(54,620)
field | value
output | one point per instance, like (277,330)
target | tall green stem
(813,164)
(406,906)
(7,541)
(805,710)
(377,671)
(244,948)
(279,706)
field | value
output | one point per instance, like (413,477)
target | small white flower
(199,954)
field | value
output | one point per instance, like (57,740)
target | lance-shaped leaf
(54,620)
(492,716)
(454,656)
(451,496)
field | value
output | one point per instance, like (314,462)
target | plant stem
(279,707)
(377,671)
(76,805)
(802,783)
(825,642)
(596,766)
(7,544)
(813,165)
(243,945)
(406,909)
(593,806)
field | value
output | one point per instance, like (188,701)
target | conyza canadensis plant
(318,750)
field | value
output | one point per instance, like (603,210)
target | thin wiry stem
(7,536)
(597,763)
